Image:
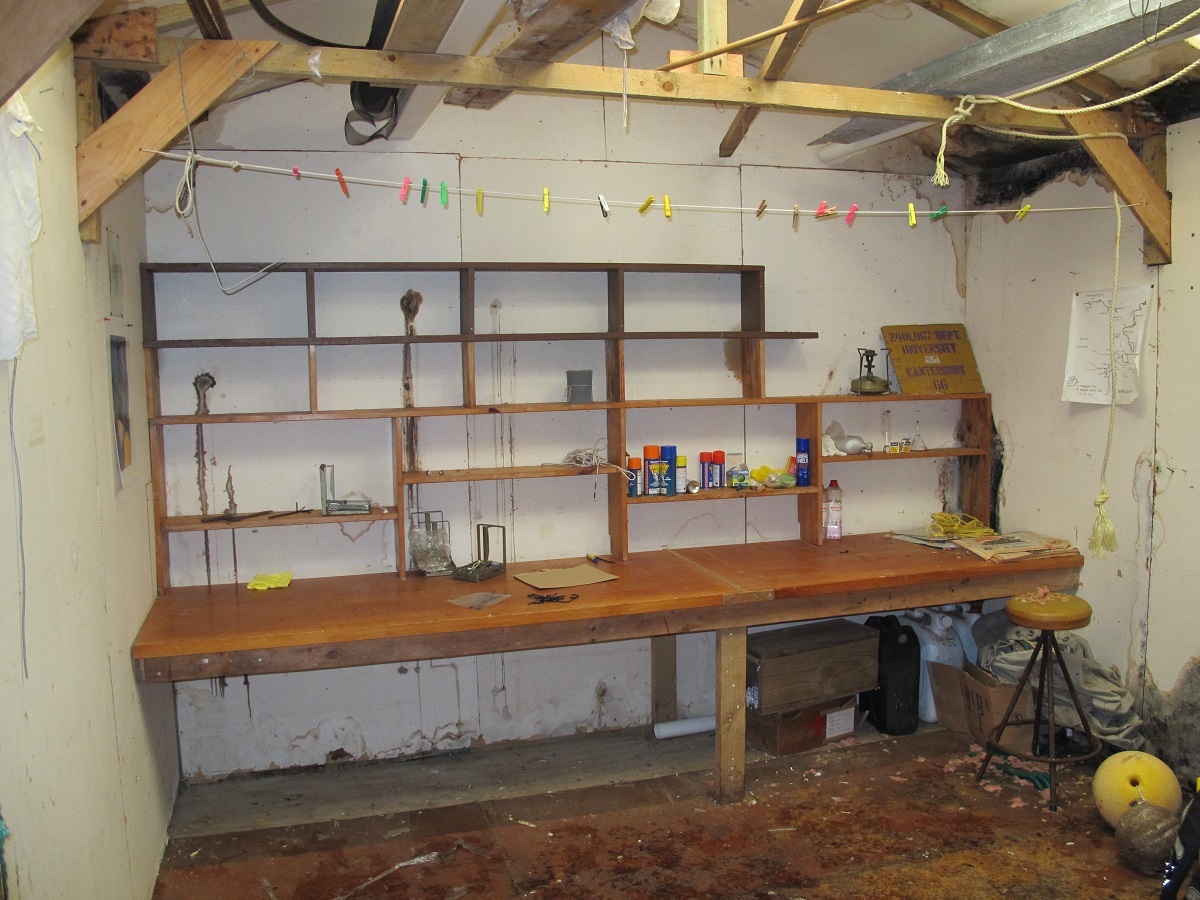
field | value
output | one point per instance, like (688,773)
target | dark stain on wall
(1171,722)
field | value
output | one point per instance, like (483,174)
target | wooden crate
(802,729)
(811,664)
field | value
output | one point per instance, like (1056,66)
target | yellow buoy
(1133,775)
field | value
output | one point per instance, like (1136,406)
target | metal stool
(1047,612)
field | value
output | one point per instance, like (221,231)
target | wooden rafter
(549,34)
(779,58)
(154,118)
(1149,202)
(483,73)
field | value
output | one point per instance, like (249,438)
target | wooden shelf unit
(974,455)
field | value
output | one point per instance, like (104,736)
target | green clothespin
(934,216)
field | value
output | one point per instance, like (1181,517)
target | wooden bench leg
(731,714)
(664,696)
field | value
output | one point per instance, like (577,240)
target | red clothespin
(296,172)
(853,212)
(342,181)
(824,211)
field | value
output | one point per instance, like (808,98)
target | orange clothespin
(342,181)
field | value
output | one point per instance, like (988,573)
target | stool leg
(1048,679)
(1062,664)
(990,743)
(1039,647)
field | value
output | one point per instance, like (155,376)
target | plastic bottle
(716,475)
(833,518)
(962,618)
(635,485)
(939,643)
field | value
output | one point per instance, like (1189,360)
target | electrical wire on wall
(186,201)
(16,466)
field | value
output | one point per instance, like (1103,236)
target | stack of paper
(1016,545)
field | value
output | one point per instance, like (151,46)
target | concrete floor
(623,815)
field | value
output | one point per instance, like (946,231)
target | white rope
(1104,535)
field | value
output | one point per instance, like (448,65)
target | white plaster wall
(90,764)
(1173,644)
(1022,278)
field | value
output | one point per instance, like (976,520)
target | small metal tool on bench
(330,505)
(484,567)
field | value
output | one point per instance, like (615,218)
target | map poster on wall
(932,359)
(1088,375)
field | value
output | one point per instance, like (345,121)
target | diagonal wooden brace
(154,118)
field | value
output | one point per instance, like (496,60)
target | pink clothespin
(853,212)
(296,172)
(404,189)
(821,208)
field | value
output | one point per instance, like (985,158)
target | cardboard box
(802,729)
(972,700)
(807,665)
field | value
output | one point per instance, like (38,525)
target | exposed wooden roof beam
(775,66)
(1149,202)
(31,32)
(483,73)
(549,34)
(154,118)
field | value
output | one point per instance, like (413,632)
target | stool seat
(1048,611)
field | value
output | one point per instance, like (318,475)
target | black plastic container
(892,707)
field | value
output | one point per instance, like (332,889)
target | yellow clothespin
(667,205)
(1022,211)
(479,200)
(646,204)
(912,216)
(545,199)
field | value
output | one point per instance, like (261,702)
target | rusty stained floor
(900,817)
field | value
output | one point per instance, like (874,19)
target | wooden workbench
(328,623)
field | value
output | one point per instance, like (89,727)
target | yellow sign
(932,359)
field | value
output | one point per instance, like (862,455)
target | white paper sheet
(1087,378)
